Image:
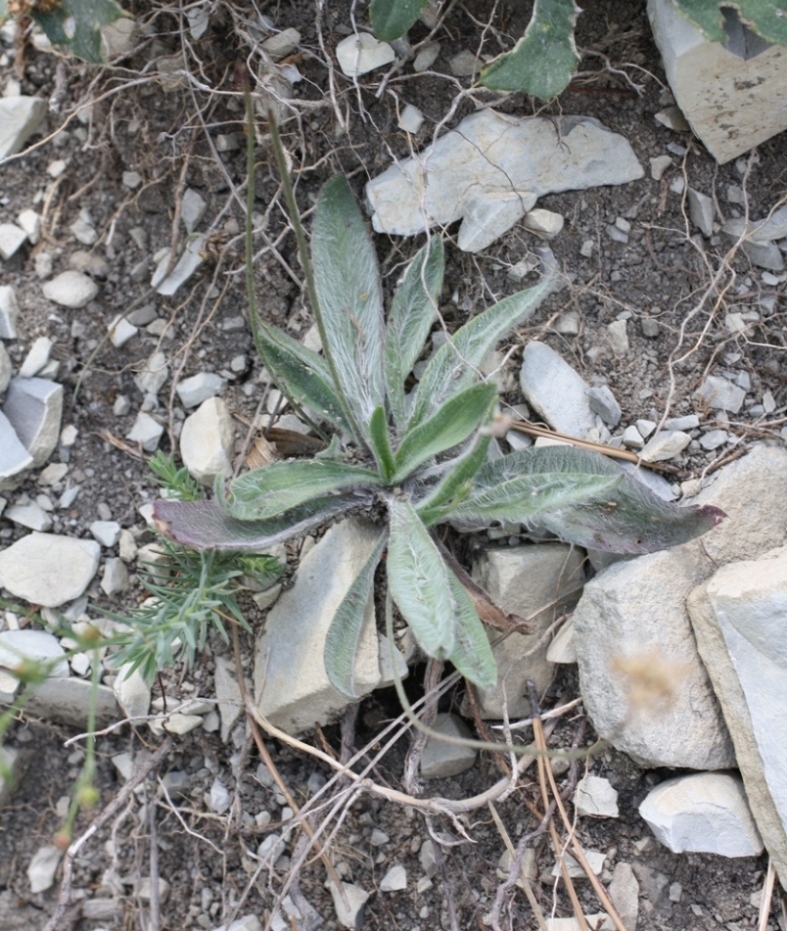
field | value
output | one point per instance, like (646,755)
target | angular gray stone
(206,442)
(666,444)
(70,289)
(701,211)
(105,531)
(556,391)
(42,868)
(738,619)
(198,388)
(624,892)
(228,694)
(146,431)
(132,692)
(37,646)
(525,580)
(360,53)
(595,797)
(69,701)
(441,759)
(34,407)
(733,94)
(395,880)
(47,569)
(12,238)
(30,515)
(603,402)
(154,375)
(14,458)
(114,579)
(20,117)
(349,903)
(703,813)
(509,160)
(631,631)
(291,685)
(9,311)
(192,209)
(191,259)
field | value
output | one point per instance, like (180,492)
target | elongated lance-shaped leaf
(455,364)
(277,488)
(344,634)
(205,525)
(77,24)
(585,499)
(392,18)
(413,311)
(349,314)
(544,59)
(450,425)
(456,484)
(418,580)
(301,375)
(472,654)
(768,18)
(381,444)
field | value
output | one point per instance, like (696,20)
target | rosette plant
(415,460)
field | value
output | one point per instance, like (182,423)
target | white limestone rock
(410,119)
(703,813)
(349,903)
(154,375)
(291,685)
(720,394)
(114,579)
(9,312)
(492,169)
(562,649)
(188,263)
(666,444)
(544,223)
(441,759)
(595,797)
(192,209)
(12,238)
(206,442)
(20,117)
(14,458)
(146,431)
(738,619)
(121,331)
(555,391)
(30,515)
(106,532)
(132,692)
(395,880)
(36,646)
(527,581)
(70,701)
(70,289)
(42,868)
(198,388)
(228,694)
(360,53)
(47,569)
(733,94)
(34,407)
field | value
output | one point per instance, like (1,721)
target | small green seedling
(420,460)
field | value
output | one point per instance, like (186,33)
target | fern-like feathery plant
(421,457)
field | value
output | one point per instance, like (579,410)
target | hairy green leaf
(768,18)
(456,363)
(271,491)
(392,18)
(418,581)
(543,61)
(344,634)
(380,443)
(450,425)
(583,498)
(77,23)
(301,375)
(472,654)
(413,312)
(206,525)
(350,303)
(456,484)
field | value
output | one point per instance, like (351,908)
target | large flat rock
(490,171)
(291,686)
(738,617)
(734,95)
